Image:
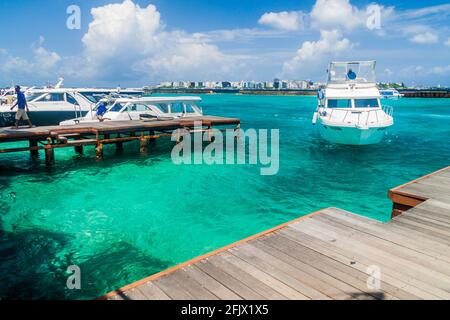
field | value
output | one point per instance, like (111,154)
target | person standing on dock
(101,110)
(22,105)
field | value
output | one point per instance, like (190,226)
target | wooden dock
(329,254)
(49,138)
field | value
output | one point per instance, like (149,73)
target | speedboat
(145,108)
(390,94)
(50,106)
(349,109)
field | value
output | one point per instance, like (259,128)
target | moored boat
(349,109)
(50,106)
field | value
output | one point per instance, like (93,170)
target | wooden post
(152,140)
(119,145)
(99,151)
(49,155)
(143,145)
(79,150)
(34,144)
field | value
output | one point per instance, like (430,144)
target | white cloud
(425,38)
(43,63)
(336,14)
(441,70)
(447,43)
(129,41)
(121,29)
(330,42)
(289,21)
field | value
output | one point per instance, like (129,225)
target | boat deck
(329,254)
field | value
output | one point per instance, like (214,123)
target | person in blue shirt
(101,110)
(22,111)
(351,75)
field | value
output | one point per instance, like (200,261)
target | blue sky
(137,42)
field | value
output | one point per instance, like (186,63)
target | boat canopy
(351,71)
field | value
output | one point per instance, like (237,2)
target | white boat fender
(314,120)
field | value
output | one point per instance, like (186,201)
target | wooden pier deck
(48,138)
(329,254)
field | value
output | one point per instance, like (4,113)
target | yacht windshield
(360,72)
(339,103)
(366,103)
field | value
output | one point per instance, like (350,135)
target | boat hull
(351,135)
(38,118)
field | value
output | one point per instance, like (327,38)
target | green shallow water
(130,216)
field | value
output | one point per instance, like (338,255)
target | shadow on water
(34,264)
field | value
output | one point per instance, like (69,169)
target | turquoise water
(130,216)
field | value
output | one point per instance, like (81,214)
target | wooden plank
(278,269)
(421,216)
(396,252)
(356,261)
(193,287)
(401,271)
(331,286)
(134,294)
(431,229)
(172,288)
(248,279)
(152,292)
(410,263)
(398,236)
(218,289)
(270,281)
(351,280)
(228,281)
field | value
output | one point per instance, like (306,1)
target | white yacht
(390,94)
(349,109)
(50,106)
(146,108)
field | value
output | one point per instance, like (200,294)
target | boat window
(71,99)
(189,108)
(53,97)
(138,107)
(176,107)
(339,103)
(366,103)
(164,107)
(116,107)
(34,96)
(94,97)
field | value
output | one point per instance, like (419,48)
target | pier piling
(34,148)
(143,145)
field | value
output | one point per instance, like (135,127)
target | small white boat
(390,94)
(50,106)
(349,109)
(145,108)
